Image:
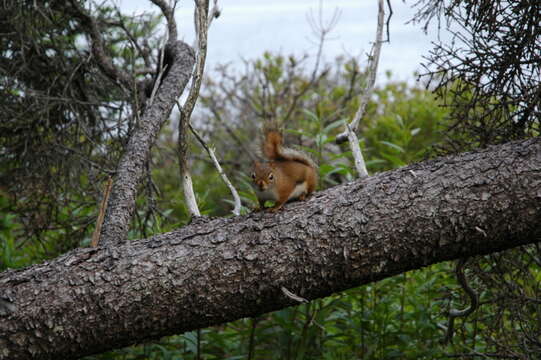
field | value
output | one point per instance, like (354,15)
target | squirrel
(287,175)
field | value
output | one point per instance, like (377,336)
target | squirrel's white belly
(272,195)
(299,190)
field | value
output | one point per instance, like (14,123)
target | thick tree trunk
(131,167)
(92,300)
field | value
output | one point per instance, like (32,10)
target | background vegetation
(66,127)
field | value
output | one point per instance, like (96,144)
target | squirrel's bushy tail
(274,150)
(272,145)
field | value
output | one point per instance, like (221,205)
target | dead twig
(212,155)
(97,231)
(351,128)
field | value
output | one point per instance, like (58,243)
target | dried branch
(371,72)
(210,152)
(131,168)
(163,69)
(103,206)
(350,133)
(215,13)
(293,296)
(388,21)
(200,16)
(358,157)
(202,23)
(169,14)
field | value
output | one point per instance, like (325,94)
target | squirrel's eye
(253,176)
(271,176)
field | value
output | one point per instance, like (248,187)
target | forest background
(68,123)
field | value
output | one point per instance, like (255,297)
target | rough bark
(131,167)
(92,300)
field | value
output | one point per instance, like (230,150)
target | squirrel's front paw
(275,208)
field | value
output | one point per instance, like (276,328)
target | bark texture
(92,300)
(131,167)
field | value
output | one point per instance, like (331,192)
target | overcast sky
(247,28)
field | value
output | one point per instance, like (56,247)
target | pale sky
(247,28)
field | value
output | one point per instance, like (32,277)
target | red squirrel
(288,174)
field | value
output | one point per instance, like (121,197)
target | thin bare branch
(96,235)
(293,296)
(212,155)
(371,73)
(201,27)
(189,194)
(201,15)
(388,21)
(360,165)
(215,13)
(169,14)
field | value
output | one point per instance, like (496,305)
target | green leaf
(393,146)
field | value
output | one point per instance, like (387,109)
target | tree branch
(169,14)
(101,215)
(371,72)
(201,29)
(223,175)
(132,164)
(95,299)
(358,157)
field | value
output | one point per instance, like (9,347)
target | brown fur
(289,174)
